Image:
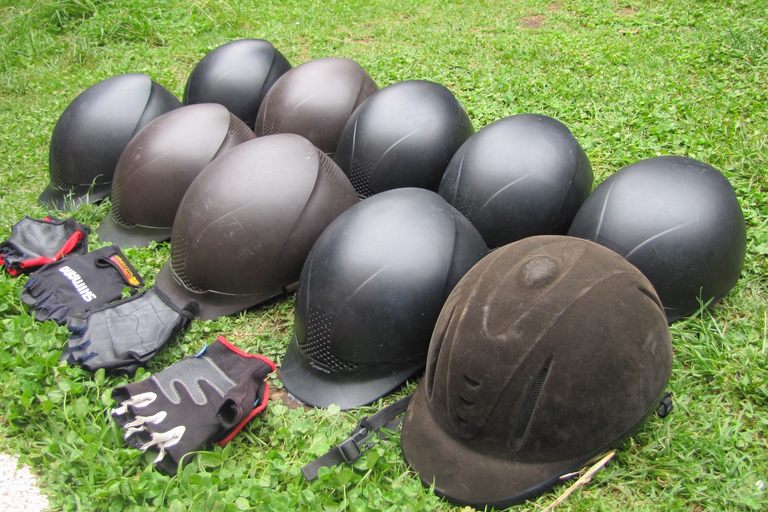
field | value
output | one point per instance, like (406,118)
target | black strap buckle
(355,445)
(349,450)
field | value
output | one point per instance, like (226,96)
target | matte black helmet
(158,165)
(402,136)
(315,100)
(92,132)
(237,75)
(548,352)
(370,293)
(678,221)
(520,176)
(248,222)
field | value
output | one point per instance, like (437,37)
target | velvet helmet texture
(549,351)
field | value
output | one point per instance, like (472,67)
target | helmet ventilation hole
(466,402)
(530,404)
(471,381)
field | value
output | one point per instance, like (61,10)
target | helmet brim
(468,478)
(71,198)
(135,236)
(319,388)
(212,304)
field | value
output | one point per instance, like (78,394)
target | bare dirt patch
(533,22)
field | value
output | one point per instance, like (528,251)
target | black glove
(205,398)
(80,283)
(35,242)
(120,337)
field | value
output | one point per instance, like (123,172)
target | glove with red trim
(35,242)
(80,283)
(205,398)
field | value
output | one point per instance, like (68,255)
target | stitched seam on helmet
(530,404)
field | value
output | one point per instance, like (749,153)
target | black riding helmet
(248,222)
(315,100)
(548,352)
(370,293)
(158,165)
(237,75)
(520,176)
(92,132)
(402,136)
(676,219)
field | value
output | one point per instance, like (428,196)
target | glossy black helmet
(676,219)
(237,75)
(548,352)
(402,136)
(92,132)
(520,176)
(247,223)
(315,100)
(370,293)
(158,165)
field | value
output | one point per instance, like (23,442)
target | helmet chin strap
(389,419)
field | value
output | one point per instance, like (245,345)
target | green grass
(631,79)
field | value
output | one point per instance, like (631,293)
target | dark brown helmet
(92,132)
(159,164)
(549,351)
(248,222)
(315,100)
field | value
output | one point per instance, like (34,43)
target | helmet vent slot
(466,402)
(530,404)
(329,169)
(471,381)
(116,192)
(179,250)
(360,176)
(317,345)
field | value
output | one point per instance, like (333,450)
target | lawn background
(631,79)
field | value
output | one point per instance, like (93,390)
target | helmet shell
(237,75)
(549,351)
(676,219)
(247,223)
(370,293)
(158,165)
(315,100)
(520,176)
(92,132)
(402,136)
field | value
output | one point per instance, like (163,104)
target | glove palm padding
(122,336)
(200,399)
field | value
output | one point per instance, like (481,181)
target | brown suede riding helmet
(549,351)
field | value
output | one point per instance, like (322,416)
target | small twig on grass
(585,479)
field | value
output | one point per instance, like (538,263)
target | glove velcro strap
(361,440)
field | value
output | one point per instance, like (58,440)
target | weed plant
(631,79)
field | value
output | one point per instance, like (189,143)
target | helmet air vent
(530,404)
